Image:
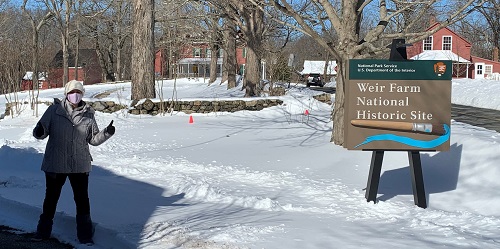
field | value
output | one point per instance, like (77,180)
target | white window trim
(488,69)
(479,67)
(451,42)
(431,43)
(197,52)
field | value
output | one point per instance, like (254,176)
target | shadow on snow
(114,199)
(440,173)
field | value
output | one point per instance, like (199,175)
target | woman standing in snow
(71,127)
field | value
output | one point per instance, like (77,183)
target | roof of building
(319,67)
(198,60)
(439,55)
(451,31)
(477,59)
(29,76)
(86,56)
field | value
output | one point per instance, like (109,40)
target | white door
(479,70)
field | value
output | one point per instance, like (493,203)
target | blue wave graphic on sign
(410,141)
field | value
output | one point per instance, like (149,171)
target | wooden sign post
(398,106)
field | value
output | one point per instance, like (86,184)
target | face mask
(74,98)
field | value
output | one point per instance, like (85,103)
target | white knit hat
(72,85)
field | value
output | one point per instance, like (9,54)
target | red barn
(27,81)
(88,68)
(448,45)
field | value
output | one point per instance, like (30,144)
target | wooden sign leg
(417,179)
(374,176)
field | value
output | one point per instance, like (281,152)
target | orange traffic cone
(191,119)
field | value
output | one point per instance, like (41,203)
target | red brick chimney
(432,20)
(495,54)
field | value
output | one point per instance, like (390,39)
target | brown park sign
(398,105)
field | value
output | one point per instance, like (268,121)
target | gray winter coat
(69,135)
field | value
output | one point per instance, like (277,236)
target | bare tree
(214,57)
(213,22)
(473,30)
(491,12)
(250,21)
(36,26)
(344,18)
(143,78)
(62,11)
(106,26)
(122,24)
(170,20)
(16,59)
(304,47)
(252,26)
(100,31)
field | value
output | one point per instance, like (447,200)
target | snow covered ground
(266,179)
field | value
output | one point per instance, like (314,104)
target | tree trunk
(36,70)
(252,68)
(143,80)
(213,62)
(118,73)
(253,33)
(325,69)
(64,41)
(77,46)
(229,63)
(119,67)
(100,57)
(224,66)
(109,65)
(338,108)
(77,57)
(170,62)
(119,41)
(232,64)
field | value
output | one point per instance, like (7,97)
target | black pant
(54,183)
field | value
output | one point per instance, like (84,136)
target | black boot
(44,228)
(84,229)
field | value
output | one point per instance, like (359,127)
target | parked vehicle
(314,79)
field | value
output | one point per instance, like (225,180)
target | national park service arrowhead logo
(440,68)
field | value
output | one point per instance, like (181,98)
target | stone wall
(325,98)
(195,106)
(102,106)
(11,105)
(106,106)
(202,106)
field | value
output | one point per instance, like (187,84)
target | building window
(446,42)
(244,52)
(488,70)
(209,53)
(242,69)
(479,70)
(197,52)
(428,43)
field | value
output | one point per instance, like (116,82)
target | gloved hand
(110,129)
(39,131)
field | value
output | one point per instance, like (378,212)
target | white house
(319,67)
